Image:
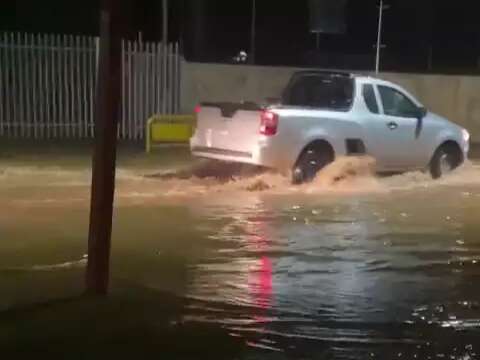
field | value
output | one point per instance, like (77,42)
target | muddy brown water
(350,266)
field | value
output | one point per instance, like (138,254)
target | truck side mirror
(422,112)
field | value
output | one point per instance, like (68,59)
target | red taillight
(268,123)
(198,108)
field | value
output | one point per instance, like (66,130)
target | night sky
(216,30)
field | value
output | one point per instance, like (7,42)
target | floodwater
(350,266)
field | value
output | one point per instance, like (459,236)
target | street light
(381,8)
(253,32)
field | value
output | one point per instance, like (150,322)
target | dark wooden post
(103,175)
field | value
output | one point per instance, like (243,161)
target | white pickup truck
(323,115)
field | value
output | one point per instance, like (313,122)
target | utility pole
(165,23)
(381,8)
(427,13)
(104,156)
(197,25)
(430,57)
(253,33)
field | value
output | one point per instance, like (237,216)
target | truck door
(392,133)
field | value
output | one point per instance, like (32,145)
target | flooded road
(347,267)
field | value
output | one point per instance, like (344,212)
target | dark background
(216,30)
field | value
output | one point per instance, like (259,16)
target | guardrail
(169,129)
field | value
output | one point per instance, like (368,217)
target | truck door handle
(392,125)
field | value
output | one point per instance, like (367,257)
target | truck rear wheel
(312,159)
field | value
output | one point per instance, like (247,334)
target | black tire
(446,159)
(313,159)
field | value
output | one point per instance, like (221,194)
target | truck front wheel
(447,158)
(312,159)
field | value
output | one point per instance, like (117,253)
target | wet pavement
(347,267)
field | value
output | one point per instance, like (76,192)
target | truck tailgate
(227,127)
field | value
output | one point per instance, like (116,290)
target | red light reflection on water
(264,286)
(260,275)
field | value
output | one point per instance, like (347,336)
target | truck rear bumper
(264,156)
(208,151)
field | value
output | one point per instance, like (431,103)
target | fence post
(71,70)
(130,92)
(59,80)
(97,53)
(177,81)
(28,74)
(54,72)
(46,89)
(29,110)
(164,77)
(168,78)
(141,90)
(124,103)
(3,81)
(148,93)
(148,136)
(13,59)
(92,68)
(85,50)
(158,74)
(40,85)
(21,84)
(78,88)
(5,65)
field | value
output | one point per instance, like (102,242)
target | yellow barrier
(167,129)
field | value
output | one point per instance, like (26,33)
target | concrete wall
(215,82)
(455,97)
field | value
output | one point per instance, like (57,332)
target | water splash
(68,265)
(347,175)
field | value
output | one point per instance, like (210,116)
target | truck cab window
(397,104)
(370,98)
(321,91)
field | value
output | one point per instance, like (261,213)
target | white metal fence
(47,85)
(151,85)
